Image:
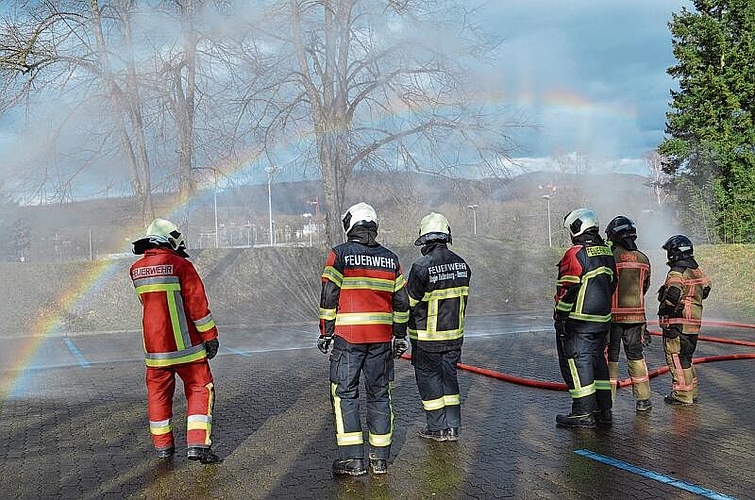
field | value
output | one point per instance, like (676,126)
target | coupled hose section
(560,386)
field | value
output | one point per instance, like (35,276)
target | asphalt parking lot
(73,421)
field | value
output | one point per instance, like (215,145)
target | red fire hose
(560,386)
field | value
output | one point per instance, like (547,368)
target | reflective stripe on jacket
(586,282)
(176,319)
(363,297)
(692,284)
(633,269)
(438,287)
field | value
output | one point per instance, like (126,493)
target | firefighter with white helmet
(628,321)
(680,315)
(364,310)
(438,287)
(179,336)
(582,318)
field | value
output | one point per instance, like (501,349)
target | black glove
(646,338)
(399,346)
(323,343)
(670,333)
(211,346)
(560,325)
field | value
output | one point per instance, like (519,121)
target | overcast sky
(590,73)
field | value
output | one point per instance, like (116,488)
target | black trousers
(347,363)
(438,386)
(581,358)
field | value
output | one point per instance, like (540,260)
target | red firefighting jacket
(586,282)
(176,318)
(363,297)
(628,302)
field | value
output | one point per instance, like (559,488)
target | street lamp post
(270,171)
(215,205)
(548,203)
(474,218)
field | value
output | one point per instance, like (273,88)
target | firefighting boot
(349,466)
(204,455)
(603,417)
(452,433)
(166,452)
(378,465)
(644,404)
(671,399)
(584,421)
(434,435)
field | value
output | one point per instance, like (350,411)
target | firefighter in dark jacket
(179,336)
(628,321)
(582,319)
(438,286)
(364,310)
(680,315)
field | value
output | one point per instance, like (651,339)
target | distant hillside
(512,208)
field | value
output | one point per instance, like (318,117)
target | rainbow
(85,286)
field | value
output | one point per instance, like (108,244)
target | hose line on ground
(560,386)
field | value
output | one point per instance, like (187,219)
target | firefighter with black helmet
(628,321)
(438,287)
(680,314)
(179,335)
(364,310)
(582,318)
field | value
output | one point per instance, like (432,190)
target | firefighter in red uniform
(582,318)
(438,287)
(628,322)
(364,310)
(179,337)
(680,315)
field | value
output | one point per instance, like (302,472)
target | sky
(590,74)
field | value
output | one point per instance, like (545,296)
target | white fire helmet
(162,232)
(361,212)
(433,227)
(580,220)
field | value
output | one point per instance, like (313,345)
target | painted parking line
(76,353)
(236,351)
(676,483)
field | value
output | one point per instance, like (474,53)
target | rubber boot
(613,377)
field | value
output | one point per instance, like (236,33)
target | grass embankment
(263,286)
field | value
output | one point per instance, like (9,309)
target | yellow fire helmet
(433,227)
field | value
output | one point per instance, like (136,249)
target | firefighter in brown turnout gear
(438,286)
(582,319)
(628,322)
(680,315)
(364,310)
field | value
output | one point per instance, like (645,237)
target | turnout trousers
(581,358)
(200,398)
(347,363)
(630,334)
(679,348)
(438,386)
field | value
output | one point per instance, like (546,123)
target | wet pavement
(73,425)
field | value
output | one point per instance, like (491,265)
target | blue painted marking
(76,353)
(677,483)
(236,351)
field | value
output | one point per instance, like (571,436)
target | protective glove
(399,346)
(323,343)
(560,325)
(670,333)
(211,346)
(646,338)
